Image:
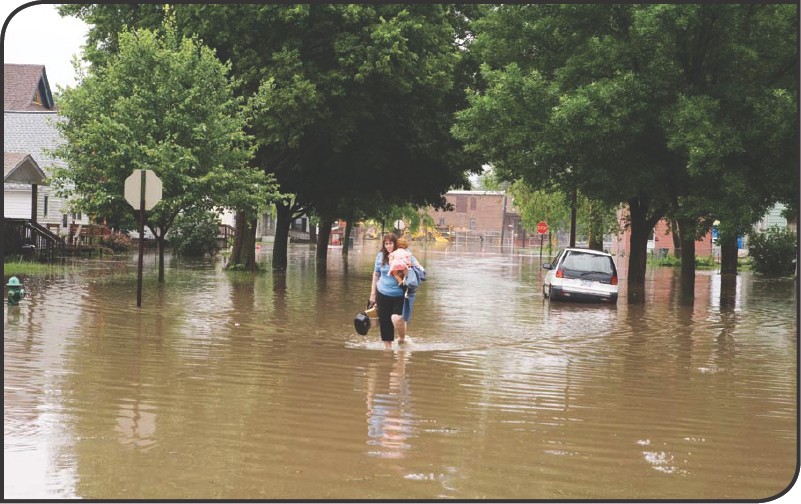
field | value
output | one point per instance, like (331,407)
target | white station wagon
(581,275)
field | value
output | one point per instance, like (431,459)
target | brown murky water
(228,387)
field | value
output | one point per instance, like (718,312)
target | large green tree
(164,104)
(622,103)
(346,99)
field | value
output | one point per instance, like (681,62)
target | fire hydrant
(15,291)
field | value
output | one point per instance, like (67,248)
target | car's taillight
(614,279)
(560,273)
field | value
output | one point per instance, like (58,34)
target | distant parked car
(581,275)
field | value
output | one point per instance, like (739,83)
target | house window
(472,203)
(36,98)
(472,223)
(442,221)
(64,219)
(46,200)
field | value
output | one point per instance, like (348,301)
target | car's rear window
(588,262)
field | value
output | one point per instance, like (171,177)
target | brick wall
(481,212)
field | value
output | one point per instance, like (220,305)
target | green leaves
(634,100)
(165,104)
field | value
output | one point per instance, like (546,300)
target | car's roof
(589,251)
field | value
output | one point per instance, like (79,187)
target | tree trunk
(244,250)
(728,255)
(346,243)
(239,238)
(674,233)
(322,242)
(573,219)
(596,232)
(162,244)
(728,291)
(282,221)
(641,226)
(687,231)
(312,234)
(248,253)
(638,253)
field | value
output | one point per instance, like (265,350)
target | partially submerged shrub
(194,233)
(773,251)
(117,242)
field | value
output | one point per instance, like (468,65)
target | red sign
(542,228)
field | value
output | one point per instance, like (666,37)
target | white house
(29,116)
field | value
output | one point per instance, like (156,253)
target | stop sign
(542,228)
(133,189)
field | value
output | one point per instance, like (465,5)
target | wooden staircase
(21,236)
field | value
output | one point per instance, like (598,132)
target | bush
(117,242)
(773,251)
(194,233)
(705,262)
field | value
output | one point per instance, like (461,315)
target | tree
(621,102)
(164,104)
(343,97)
(554,208)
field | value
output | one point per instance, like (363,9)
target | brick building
(490,215)
(660,241)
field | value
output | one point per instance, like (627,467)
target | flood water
(229,386)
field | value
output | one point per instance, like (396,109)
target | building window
(472,223)
(36,98)
(472,203)
(442,221)
(64,219)
(46,200)
(461,204)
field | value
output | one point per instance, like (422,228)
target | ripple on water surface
(235,386)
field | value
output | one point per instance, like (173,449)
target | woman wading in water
(389,295)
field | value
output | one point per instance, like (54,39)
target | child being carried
(400,260)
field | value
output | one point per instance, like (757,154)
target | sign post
(542,228)
(142,191)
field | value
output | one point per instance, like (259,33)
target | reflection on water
(229,386)
(388,407)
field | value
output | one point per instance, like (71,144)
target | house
(29,116)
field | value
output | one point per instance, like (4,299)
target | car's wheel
(550,292)
(544,291)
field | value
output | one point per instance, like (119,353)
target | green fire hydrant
(15,291)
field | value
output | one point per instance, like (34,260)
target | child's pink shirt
(399,260)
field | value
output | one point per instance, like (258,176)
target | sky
(37,35)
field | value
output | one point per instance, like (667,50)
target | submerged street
(233,386)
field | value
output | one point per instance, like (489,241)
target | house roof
(20,168)
(22,84)
(475,193)
(33,132)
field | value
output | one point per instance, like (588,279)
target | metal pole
(141,242)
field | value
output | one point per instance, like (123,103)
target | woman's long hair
(394,239)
